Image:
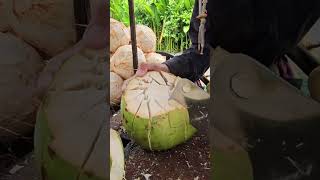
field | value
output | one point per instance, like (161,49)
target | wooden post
(133,35)
(82,16)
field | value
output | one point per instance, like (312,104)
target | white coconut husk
(155,58)
(47,25)
(20,65)
(122,61)
(146,38)
(118,35)
(116,83)
(111,67)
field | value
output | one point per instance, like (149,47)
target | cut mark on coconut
(149,125)
(83,114)
(134,118)
(82,168)
(185,129)
(164,109)
(91,148)
(164,78)
(156,88)
(153,80)
(155,111)
(134,94)
(156,76)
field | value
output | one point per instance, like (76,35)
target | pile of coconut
(25,26)
(121,61)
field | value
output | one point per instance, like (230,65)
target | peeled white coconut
(111,54)
(116,156)
(122,61)
(127,30)
(118,35)
(115,88)
(146,38)
(155,58)
(20,65)
(47,25)
(111,67)
(113,20)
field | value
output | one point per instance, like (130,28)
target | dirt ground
(16,159)
(190,160)
(22,170)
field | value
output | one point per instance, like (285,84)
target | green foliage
(169,19)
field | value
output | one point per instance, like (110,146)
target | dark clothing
(264,30)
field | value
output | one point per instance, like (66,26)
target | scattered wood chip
(15,169)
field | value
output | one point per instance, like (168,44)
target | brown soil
(16,141)
(190,160)
(27,171)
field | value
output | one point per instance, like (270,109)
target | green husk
(51,165)
(166,131)
(231,165)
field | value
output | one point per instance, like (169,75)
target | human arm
(190,64)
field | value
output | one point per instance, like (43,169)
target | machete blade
(192,97)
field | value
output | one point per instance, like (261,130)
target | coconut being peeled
(146,38)
(149,116)
(118,35)
(155,58)
(75,103)
(122,61)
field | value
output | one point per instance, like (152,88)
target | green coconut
(71,128)
(150,118)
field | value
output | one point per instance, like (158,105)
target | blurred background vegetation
(169,19)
